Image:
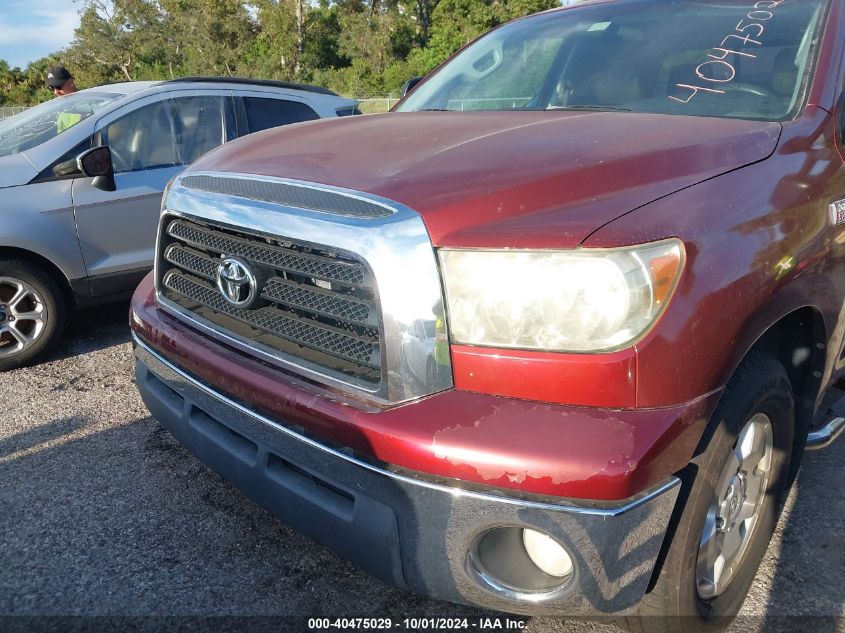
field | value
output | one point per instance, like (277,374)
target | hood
(15,170)
(506,179)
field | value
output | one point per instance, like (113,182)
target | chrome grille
(316,305)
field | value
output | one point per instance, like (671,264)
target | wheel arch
(798,340)
(793,325)
(45,264)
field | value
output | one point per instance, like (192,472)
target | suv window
(199,125)
(143,139)
(43,122)
(262,114)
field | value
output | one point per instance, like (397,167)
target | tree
(374,35)
(281,38)
(455,23)
(118,40)
(209,37)
(424,9)
(358,47)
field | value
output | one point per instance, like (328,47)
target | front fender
(759,244)
(39,218)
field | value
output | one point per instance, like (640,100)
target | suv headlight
(583,300)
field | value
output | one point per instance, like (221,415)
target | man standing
(60,81)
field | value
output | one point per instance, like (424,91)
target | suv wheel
(32,313)
(735,485)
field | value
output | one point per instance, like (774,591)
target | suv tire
(32,312)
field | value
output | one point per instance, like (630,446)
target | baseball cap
(57,76)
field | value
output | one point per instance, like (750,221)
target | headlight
(584,300)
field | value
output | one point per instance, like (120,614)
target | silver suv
(81,179)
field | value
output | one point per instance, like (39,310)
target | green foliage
(356,47)
(24,87)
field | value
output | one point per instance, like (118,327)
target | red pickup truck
(552,336)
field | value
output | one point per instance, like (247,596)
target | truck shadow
(93,329)
(125,521)
(40,435)
(805,573)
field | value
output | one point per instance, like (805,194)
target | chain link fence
(374,106)
(9,111)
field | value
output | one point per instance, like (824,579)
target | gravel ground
(103,514)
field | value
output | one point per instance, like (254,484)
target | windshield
(708,58)
(39,124)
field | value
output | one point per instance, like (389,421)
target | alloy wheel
(734,511)
(23,316)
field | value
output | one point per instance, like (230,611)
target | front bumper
(404,528)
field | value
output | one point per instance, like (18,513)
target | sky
(30,29)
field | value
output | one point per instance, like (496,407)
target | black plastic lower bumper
(410,532)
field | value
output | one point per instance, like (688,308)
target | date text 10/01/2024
(417,624)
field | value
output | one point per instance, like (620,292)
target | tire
(683,598)
(32,313)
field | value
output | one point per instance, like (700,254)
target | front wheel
(735,485)
(32,313)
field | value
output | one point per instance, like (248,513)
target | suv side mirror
(96,163)
(410,85)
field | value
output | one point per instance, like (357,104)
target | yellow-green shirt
(65,120)
(441,344)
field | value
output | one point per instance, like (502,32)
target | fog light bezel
(482,556)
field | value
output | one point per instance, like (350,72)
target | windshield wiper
(589,107)
(433,110)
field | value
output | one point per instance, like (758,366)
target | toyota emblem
(236,282)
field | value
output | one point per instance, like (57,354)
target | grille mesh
(289,195)
(281,291)
(192,261)
(292,294)
(277,323)
(314,304)
(290,261)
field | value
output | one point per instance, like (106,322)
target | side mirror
(410,85)
(96,163)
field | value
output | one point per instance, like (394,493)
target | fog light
(547,554)
(520,564)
